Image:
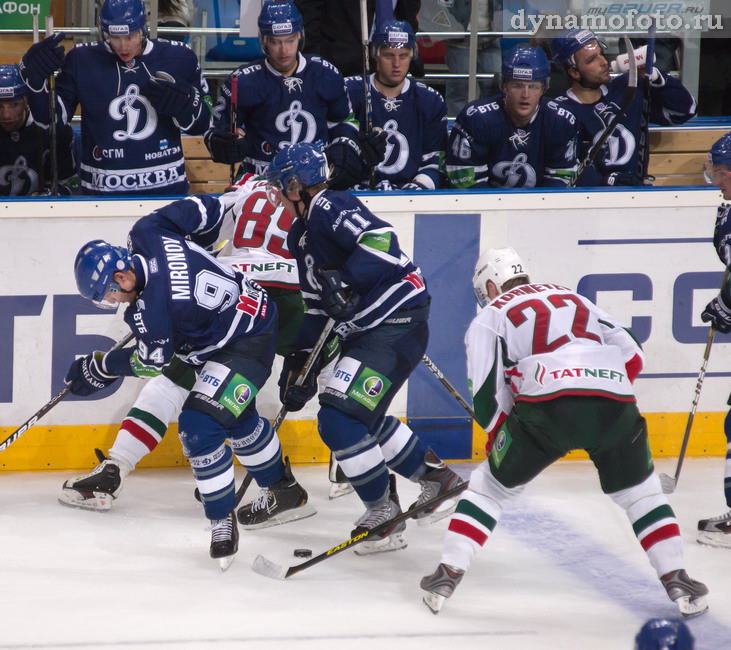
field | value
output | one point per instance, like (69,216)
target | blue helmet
(524,63)
(395,34)
(720,153)
(664,634)
(11,84)
(302,164)
(279,18)
(122,17)
(96,262)
(569,42)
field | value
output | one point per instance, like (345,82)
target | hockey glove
(718,314)
(621,178)
(86,376)
(295,397)
(347,168)
(226,147)
(339,303)
(42,60)
(373,148)
(176,99)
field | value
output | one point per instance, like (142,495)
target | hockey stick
(52,122)
(669,483)
(31,422)
(234,117)
(273,570)
(448,385)
(643,159)
(631,90)
(367,80)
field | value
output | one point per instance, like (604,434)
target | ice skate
(284,501)
(437,480)
(224,540)
(339,484)
(715,531)
(391,539)
(688,594)
(440,585)
(95,490)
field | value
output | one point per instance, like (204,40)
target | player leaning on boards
(353,270)
(136,95)
(413,115)
(183,302)
(717,530)
(25,146)
(550,372)
(290,97)
(517,139)
(595,98)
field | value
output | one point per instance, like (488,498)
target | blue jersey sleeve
(198,217)
(670,101)
(341,121)
(560,146)
(469,145)
(431,170)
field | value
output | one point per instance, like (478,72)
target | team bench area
(676,158)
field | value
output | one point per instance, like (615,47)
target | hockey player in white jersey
(550,372)
(136,95)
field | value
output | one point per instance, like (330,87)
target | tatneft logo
(282,28)
(119,29)
(624,17)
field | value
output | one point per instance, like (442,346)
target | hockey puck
(303,552)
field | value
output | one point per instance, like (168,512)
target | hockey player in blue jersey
(136,95)
(595,98)
(518,139)
(413,115)
(716,531)
(25,146)
(352,269)
(184,303)
(290,97)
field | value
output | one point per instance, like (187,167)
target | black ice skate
(437,480)
(440,585)
(224,540)
(715,531)
(95,490)
(284,501)
(688,594)
(391,539)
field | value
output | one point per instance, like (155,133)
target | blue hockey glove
(718,314)
(176,99)
(347,169)
(295,397)
(339,302)
(42,60)
(621,178)
(86,376)
(225,147)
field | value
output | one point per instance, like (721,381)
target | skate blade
(268,568)
(717,540)
(394,542)
(225,562)
(294,514)
(434,601)
(691,609)
(99,502)
(339,490)
(443,510)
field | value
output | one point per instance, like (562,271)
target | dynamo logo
(373,386)
(242,394)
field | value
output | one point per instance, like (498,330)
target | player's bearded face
(12,113)
(128,46)
(393,64)
(592,66)
(281,51)
(522,97)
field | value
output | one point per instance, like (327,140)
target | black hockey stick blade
(273,570)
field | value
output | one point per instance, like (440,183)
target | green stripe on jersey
(652,517)
(469,509)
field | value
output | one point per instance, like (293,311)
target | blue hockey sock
(403,451)
(257,447)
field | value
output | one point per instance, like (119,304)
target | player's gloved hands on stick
(42,60)
(86,376)
(226,147)
(172,98)
(295,397)
(373,148)
(338,301)
(718,314)
(347,167)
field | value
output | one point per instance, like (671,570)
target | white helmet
(498,265)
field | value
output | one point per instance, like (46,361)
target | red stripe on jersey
(633,367)
(666,532)
(144,436)
(468,530)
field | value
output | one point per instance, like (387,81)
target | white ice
(563,570)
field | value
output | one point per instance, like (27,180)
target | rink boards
(645,256)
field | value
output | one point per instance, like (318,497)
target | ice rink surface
(562,571)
